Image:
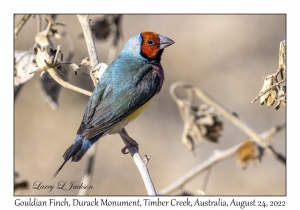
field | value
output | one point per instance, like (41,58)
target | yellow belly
(118,127)
(137,112)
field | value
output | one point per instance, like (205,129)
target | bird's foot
(131,142)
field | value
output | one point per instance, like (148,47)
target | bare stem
(88,35)
(206,178)
(57,52)
(267,90)
(50,19)
(66,84)
(21,24)
(39,23)
(215,158)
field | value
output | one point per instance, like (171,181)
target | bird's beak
(165,42)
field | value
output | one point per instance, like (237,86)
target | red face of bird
(152,43)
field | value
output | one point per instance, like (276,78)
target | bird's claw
(128,146)
(124,149)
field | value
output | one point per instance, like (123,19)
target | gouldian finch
(123,92)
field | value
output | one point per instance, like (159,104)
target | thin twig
(267,90)
(66,84)
(199,168)
(50,19)
(39,23)
(20,25)
(87,32)
(215,158)
(206,178)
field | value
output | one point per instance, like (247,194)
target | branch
(141,166)
(21,24)
(215,158)
(39,23)
(206,178)
(88,35)
(226,113)
(66,84)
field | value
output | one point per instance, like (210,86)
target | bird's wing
(108,106)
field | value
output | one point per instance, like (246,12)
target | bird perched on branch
(123,92)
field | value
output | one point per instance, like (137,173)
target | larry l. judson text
(192,202)
(61,185)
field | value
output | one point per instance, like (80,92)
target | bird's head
(147,45)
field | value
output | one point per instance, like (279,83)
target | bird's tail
(77,150)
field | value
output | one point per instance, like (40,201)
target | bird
(125,89)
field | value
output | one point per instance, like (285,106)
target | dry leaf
(23,66)
(281,97)
(45,57)
(246,153)
(203,124)
(270,96)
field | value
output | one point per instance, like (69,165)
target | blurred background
(227,56)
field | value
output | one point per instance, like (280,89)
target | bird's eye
(150,42)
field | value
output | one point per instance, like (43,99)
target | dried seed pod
(204,124)
(208,123)
(192,137)
(101,29)
(45,57)
(200,122)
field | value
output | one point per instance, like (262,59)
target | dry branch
(88,35)
(215,158)
(52,72)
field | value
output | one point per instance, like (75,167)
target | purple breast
(160,72)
